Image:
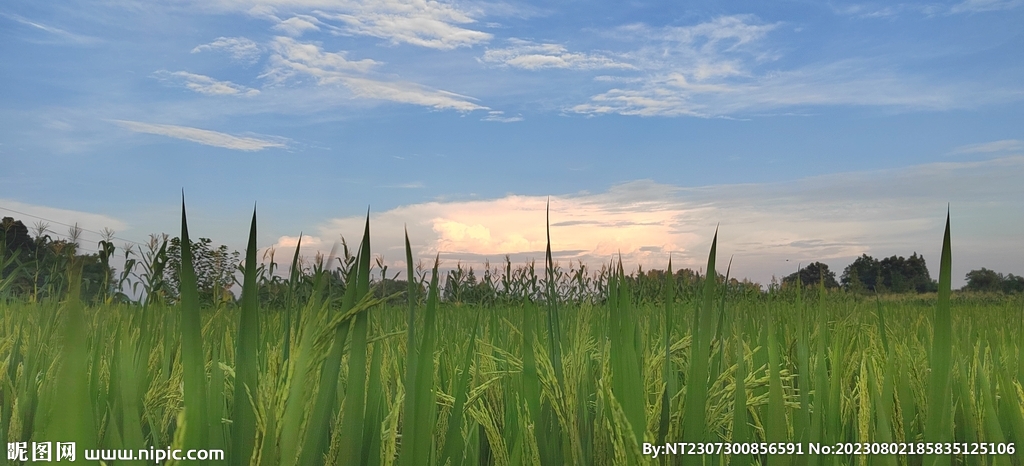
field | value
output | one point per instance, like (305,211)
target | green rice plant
(193,360)
(353,408)
(417,445)
(243,413)
(939,424)
(452,453)
(625,358)
(740,421)
(776,428)
(695,404)
(67,409)
(477,384)
(668,373)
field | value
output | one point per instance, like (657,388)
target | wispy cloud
(204,84)
(292,60)
(718,68)
(60,34)
(434,24)
(532,56)
(979,6)
(1005,145)
(298,25)
(203,136)
(682,63)
(499,116)
(868,11)
(832,218)
(412,185)
(886,10)
(240,48)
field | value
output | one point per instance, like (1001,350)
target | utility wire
(70,226)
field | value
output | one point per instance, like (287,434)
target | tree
(17,246)
(41,266)
(215,269)
(901,275)
(813,274)
(862,274)
(1013,284)
(894,274)
(986,280)
(14,235)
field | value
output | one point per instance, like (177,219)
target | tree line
(37,267)
(897,274)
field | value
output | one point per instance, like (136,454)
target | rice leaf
(353,407)
(938,428)
(193,361)
(695,404)
(243,413)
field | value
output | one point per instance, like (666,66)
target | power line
(70,226)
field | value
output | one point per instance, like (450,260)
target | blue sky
(807,130)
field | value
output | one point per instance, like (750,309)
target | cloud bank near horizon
(768,228)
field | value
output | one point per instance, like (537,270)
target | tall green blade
(417,435)
(776,430)
(243,414)
(740,428)
(374,410)
(291,304)
(193,360)
(353,414)
(554,323)
(627,375)
(940,417)
(412,350)
(317,439)
(668,374)
(695,403)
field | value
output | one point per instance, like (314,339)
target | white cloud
(204,84)
(427,23)
(533,56)
(832,218)
(499,116)
(728,33)
(682,65)
(888,11)
(869,11)
(733,89)
(240,48)
(412,185)
(298,25)
(203,136)
(1006,145)
(722,67)
(979,6)
(63,35)
(292,59)
(410,93)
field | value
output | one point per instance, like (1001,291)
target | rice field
(344,371)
